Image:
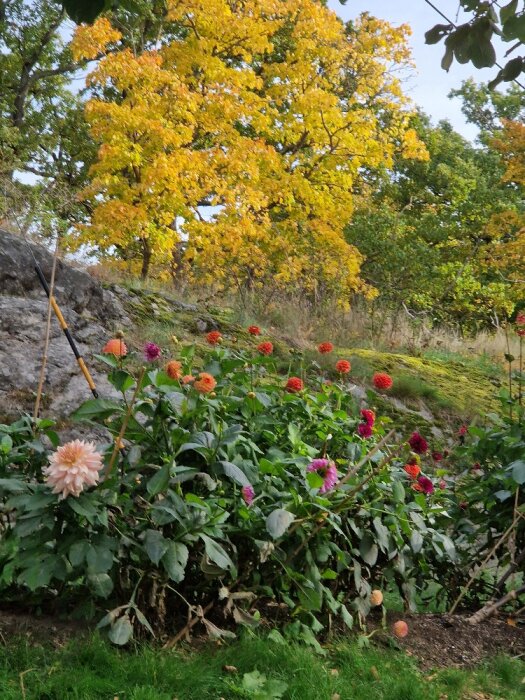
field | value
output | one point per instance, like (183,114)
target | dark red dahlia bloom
(418,443)
(437,456)
(254,330)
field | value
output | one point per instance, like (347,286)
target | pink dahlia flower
(248,494)
(72,467)
(326,469)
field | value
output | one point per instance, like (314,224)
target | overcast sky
(431,85)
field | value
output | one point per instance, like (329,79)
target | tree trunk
(146,258)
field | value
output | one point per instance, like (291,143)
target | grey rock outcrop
(92,313)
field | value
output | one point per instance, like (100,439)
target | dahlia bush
(222,486)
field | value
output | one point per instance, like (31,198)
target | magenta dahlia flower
(427,487)
(152,352)
(327,470)
(418,443)
(72,467)
(248,494)
(364,430)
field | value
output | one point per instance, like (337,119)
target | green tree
(426,228)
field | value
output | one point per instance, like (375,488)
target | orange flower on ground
(116,347)
(413,470)
(325,348)
(213,337)
(205,383)
(382,380)
(376,598)
(265,348)
(187,379)
(343,366)
(400,629)
(294,384)
(173,369)
(254,330)
(72,467)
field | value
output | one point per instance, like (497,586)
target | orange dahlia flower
(173,369)
(116,347)
(188,379)
(205,383)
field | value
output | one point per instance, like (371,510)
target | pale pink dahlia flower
(327,470)
(72,467)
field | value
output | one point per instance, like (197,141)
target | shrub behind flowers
(227,487)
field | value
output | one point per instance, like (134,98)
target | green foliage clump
(214,506)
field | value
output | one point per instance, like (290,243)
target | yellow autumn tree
(506,252)
(269,111)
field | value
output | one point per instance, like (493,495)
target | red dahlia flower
(265,348)
(325,348)
(382,380)
(254,330)
(343,366)
(413,470)
(520,318)
(294,385)
(368,416)
(213,337)
(418,443)
(437,456)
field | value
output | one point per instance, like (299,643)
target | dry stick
(491,608)
(48,334)
(118,440)
(171,642)
(480,568)
(353,491)
(512,568)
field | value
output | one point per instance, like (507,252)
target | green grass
(91,670)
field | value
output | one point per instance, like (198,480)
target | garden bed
(434,641)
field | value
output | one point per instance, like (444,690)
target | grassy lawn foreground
(89,670)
